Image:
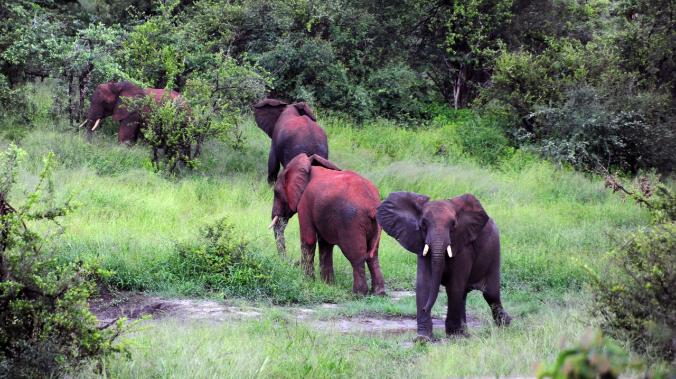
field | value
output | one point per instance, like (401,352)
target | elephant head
(267,113)
(106,102)
(438,230)
(291,184)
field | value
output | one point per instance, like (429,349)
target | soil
(111,306)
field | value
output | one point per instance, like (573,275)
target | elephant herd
(457,244)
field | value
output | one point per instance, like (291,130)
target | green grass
(553,221)
(279,347)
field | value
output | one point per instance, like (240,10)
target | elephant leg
(377,281)
(456,316)
(307,251)
(359,276)
(422,289)
(500,316)
(273,165)
(326,261)
(127,133)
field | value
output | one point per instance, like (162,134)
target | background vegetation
(436,97)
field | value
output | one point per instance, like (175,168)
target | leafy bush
(221,261)
(174,139)
(635,298)
(587,132)
(594,357)
(634,295)
(45,323)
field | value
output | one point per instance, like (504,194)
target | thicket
(46,327)
(634,296)
(590,83)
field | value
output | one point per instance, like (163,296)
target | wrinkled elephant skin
(457,245)
(334,207)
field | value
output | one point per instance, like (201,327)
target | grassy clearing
(553,221)
(280,347)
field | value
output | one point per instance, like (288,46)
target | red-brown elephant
(457,245)
(293,129)
(334,207)
(107,101)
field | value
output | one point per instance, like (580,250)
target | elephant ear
(296,178)
(399,216)
(304,110)
(317,160)
(267,112)
(471,218)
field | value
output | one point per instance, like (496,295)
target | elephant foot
(424,339)
(457,331)
(503,319)
(328,277)
(378,291)
(458,334)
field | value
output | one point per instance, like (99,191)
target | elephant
(107,101)
(293,129)
(334,207)
(457,245)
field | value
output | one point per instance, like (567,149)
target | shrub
(594,357)
(634,295)
(588,132)
(221,261)
(174,139)
(634,298)
(45,323)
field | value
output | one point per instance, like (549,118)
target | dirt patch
(133,306)
(109,307)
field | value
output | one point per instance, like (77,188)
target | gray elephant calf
(457,245)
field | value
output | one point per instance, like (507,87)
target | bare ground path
(109,307)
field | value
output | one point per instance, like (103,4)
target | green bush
(594,357)
(45,323)
(634,295)
(589,133)
(220,261)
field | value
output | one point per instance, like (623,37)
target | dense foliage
(589,83)
(635,298)
(45,323)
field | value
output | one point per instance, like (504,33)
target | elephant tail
(372,244)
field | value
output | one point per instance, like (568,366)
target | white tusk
(426,249)
(274,221)
(96,124)
(81,125)
(449,251)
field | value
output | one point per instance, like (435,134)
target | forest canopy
(590,83)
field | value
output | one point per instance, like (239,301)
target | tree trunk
(460,88)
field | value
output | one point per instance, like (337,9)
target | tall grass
(552,220)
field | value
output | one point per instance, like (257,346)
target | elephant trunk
(278,227)
(438,265)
